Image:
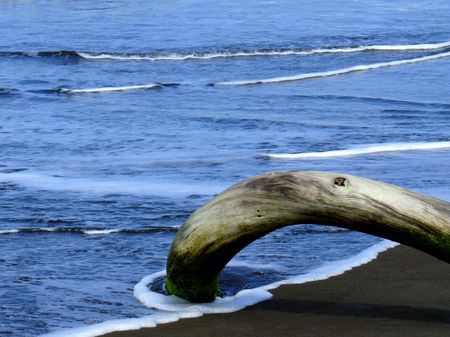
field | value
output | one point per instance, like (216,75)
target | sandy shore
(402,293)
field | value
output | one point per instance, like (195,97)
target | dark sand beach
(404,292)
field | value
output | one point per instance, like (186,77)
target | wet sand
(402,293)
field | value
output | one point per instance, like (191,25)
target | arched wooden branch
(251,209)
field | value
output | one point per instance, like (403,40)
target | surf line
(172,309)
(330,73)
(115,89)
(89,231)
(376,148)
(259,53)
(175,56)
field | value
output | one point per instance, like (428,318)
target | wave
(9,231)
(7,91)
(225,54)
(106,186)
(176,308)
(33,230)
(144,230)
(374,99)
(260,53)
(361,150)
(90,231)
(330,73)
(56,53)
(114,89)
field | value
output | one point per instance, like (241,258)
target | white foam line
(110,89)
(8,231)
(101,231)
(378,148)
(179,308)
(46,229)
(353,69)
(338,267)
(13,231)
(92,232)
(209,56)
(107,186)
(234,303)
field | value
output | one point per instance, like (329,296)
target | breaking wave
(91,230)
(361,150)
(330,73)
(259,53)
(114,89)
(177,56)
(144,230)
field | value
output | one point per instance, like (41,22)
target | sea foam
(89,231)
(8,231)
(259,53)
(176,308)
(167,56)
(337,72)
(101,231)
(108,186)
(114,89)
(361,150)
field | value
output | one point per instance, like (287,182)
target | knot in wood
(340,181)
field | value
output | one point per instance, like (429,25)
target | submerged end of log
(193,290)
(216,232)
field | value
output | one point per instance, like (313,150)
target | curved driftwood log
(251,209)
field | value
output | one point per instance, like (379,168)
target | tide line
(174,308)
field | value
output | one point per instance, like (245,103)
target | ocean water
(119,118)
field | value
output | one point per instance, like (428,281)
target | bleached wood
(251,209)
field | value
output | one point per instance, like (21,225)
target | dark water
(133,164)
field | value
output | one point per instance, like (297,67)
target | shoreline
(403,292)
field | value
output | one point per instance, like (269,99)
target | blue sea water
(111,134)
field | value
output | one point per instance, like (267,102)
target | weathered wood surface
(251,209)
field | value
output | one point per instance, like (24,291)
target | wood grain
(249,210)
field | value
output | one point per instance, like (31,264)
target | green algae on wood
(216,232)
